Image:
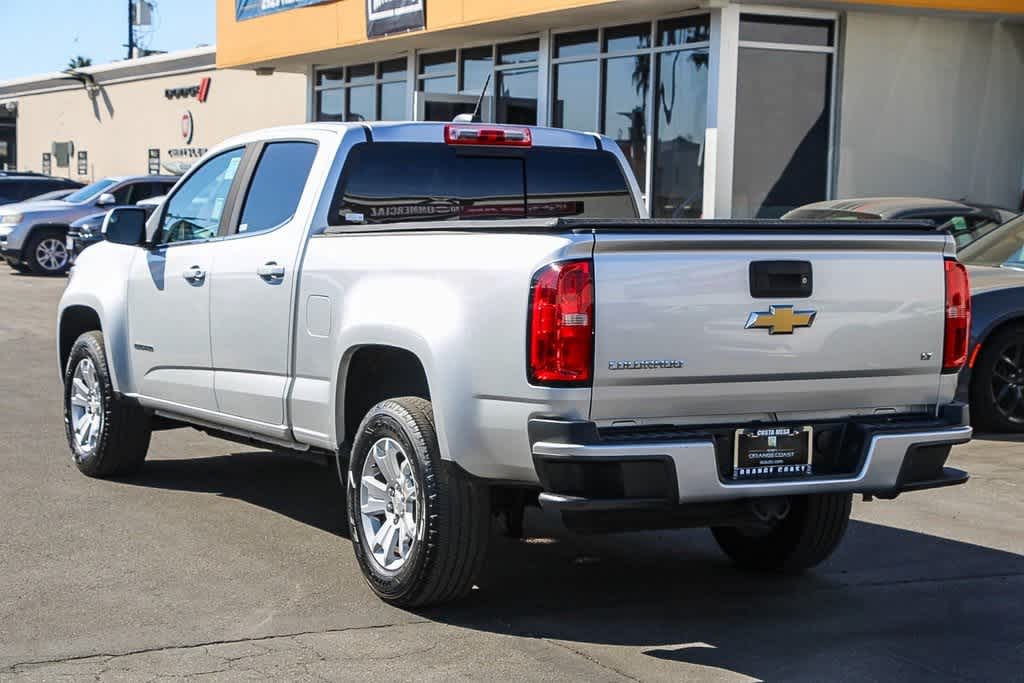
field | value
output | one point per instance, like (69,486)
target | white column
(543,78)
(721,127)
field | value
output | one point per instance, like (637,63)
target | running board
(231,433)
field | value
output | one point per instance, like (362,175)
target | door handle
(270,271)
(194,274)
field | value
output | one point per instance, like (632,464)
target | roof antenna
(474,117)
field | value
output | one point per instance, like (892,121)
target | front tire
(108,436)
(804,538)
(47,252)
(419,527)
(997,384)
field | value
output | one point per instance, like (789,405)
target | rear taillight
(958,317)
(561,325)
(501,136)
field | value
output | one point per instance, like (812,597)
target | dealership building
(156,114)
(723,108)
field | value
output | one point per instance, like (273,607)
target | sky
(40,36)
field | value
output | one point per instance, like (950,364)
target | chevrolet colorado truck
(468,318)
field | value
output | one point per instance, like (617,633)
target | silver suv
(33,235)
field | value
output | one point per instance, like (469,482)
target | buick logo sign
(187,127)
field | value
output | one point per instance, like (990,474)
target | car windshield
(89,191)
(1003,247)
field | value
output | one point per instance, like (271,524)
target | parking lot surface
(225,562)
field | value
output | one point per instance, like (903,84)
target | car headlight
(11,218)
(87,228)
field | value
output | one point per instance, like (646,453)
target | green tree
(78,62)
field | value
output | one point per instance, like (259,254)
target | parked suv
(33,235)
(87,231)
(18,187)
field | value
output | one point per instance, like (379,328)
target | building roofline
(153,66)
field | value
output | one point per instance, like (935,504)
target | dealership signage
(247,9)
(154,161)
(83,162)
(384,17)
(200,92)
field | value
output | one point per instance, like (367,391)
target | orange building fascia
(342,23)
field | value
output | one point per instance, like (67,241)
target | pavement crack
(20,667)
(592,660)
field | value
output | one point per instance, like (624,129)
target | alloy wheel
(389,504)
(86,409)
(1008,382)
(52,254)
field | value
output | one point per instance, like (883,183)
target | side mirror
(106,199)
(125,225)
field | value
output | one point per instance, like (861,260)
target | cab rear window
(397,182)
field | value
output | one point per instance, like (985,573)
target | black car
(993,380)
(967,221)
(17,187)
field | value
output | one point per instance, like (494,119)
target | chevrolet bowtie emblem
(780,320)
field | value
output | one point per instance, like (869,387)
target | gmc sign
(199,92)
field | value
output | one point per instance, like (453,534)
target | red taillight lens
(561,327)
(503,136)
(958,316)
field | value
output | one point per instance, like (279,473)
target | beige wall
(932,107)
(128,118)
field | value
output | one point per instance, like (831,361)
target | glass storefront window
(330,105)
(578,44)
(624,109)
(477,65)
(627,38)
(361,105)
(441,84)
(330,78)
(792,30)
(684,30)
(437,63)
(392,101)
(394,68)
(361,73)
(680,122)
(517,96)
(575,88)
(520,52)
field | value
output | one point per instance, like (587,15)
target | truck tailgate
(680,336)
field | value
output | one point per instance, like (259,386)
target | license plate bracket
(772,452)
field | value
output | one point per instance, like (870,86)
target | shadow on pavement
(890,604)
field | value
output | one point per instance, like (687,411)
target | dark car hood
(988,278)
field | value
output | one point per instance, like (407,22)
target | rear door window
(398,182)
(276,185)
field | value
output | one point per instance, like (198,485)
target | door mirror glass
(106,199)
(126,225)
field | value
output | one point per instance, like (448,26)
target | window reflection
(681,119)
(624,111)
(517,96)
(575,104)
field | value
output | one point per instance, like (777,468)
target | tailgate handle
(781,279)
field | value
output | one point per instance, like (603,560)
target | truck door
(254,279)
(169,290)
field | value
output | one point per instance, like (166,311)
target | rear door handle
(270,271)
(194,274)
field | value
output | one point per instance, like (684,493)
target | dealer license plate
(71,243)
(771,452)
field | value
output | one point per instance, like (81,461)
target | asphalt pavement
(225,562)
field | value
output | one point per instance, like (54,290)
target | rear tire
(997,384)
(806,537)
(448,521)
(108,436)
(47,252)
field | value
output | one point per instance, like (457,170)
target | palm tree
(78,62)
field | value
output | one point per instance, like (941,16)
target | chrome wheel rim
(52,253)
(1008,383)
(86,408)
(389,504)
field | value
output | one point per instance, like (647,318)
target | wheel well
(1010,322)
(373,374)
(75,321)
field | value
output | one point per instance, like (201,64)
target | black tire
(125,428)
(453,524)
(54,236)
(806,537)
(992,376)
(19,267)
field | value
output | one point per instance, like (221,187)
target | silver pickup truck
(470,318)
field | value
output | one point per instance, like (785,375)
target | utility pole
(131,28)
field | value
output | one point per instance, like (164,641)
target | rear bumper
(581,471)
